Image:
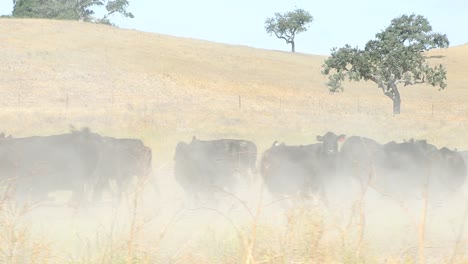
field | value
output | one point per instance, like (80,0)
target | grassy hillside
(125,82)
(164,89)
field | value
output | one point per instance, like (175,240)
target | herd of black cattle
(86,164)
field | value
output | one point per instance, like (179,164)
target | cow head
(455,168)
(451,157)
(330,142)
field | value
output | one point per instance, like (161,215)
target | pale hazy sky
(241,22)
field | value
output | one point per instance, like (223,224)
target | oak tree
(395,57)
(83,10)
(286,26)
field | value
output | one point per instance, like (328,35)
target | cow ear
(319,138)
(341,138)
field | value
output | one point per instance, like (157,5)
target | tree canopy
(83,10)
(286,26)
(395,56)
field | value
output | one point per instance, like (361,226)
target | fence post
(19,100)
(432,111)
(240,102)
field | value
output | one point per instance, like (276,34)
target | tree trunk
(293,47)
(394,94)
(396,103)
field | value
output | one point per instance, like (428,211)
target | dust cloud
(165,225)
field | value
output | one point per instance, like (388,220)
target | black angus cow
(80,161)
(402,170)
(38,165)
(303,170)
(202,167)
(120,161)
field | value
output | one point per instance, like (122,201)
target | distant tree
(26,8)
(395,56)
(286,26)
(82,10)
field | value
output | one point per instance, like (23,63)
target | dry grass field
(163,90)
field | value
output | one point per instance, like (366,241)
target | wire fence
(164,102)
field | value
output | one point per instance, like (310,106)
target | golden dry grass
(127,82)
(163,89)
